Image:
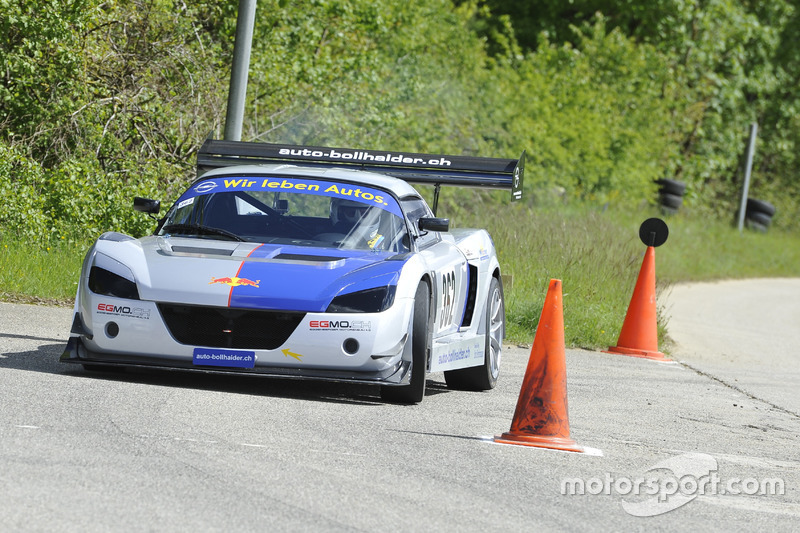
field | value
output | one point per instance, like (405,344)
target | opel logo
(206,186)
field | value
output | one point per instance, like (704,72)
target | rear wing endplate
(437,170)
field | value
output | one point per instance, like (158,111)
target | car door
(447,266)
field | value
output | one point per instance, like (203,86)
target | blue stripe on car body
(307,285)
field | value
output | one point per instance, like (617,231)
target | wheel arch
(427,279)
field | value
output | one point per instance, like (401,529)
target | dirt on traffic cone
(639,335)
(541,417)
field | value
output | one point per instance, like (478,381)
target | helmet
(347,211)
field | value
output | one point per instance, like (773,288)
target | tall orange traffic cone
(541,417)
(639,335)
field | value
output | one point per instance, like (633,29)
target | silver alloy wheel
(496,330)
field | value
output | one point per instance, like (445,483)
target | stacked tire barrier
(670,195)
(759,214)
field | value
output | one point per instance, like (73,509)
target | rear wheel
(420,348)
(484,377)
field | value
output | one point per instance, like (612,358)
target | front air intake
(223,327)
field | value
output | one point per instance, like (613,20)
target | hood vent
(307,257)
(204,251)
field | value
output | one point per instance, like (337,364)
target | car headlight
(366,301)
(105,282)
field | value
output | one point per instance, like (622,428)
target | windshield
(297,211)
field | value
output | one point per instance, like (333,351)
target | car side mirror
(146,205)
(434,224)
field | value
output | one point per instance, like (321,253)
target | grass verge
(597,254)
(36,275)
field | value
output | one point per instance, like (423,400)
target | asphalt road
(181,452)
(754,325)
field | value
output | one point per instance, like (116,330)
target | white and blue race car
(303,262)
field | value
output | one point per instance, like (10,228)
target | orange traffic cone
(639,335)
(541,417)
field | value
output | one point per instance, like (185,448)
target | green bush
(102,101)
(590,117)
(23,209)
(83,201)
(73,202)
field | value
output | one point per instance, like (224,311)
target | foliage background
(103,100)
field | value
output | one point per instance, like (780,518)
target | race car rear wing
(437,170)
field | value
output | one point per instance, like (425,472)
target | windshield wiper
(197,229)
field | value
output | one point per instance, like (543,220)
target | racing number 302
(448,298)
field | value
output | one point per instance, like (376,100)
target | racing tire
(759,218)
(414,392)
(671,187)
(672,201)
(484,377)
(760,206)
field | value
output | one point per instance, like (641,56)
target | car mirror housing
(434,224)
(146,205)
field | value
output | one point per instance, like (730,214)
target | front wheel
(484,377)
(420,348)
